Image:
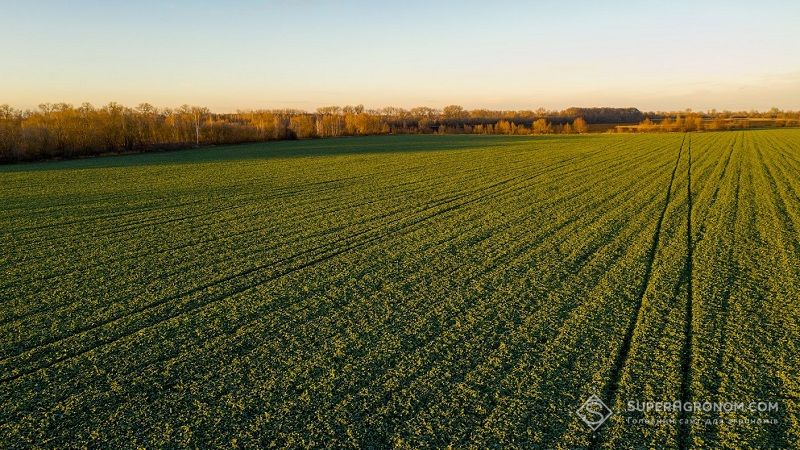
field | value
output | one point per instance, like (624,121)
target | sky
(237,54)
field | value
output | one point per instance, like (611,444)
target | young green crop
(401,291)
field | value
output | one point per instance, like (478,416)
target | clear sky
(230,55)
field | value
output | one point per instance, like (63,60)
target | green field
(403,291)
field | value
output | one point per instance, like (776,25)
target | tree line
(62,130)
(689,121)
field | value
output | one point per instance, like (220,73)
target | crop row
(470,296)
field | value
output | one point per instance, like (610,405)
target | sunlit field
(404,291)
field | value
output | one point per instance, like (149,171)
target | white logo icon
(594,412)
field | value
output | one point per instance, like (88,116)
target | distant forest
(64,131)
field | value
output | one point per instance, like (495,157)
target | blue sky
(303,54)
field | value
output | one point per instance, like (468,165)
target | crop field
(405,292)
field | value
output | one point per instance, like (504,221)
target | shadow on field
(289,149)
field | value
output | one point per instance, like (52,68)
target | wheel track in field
(685,428)
(610,391)
(280,273)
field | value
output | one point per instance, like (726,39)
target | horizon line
(539,109)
